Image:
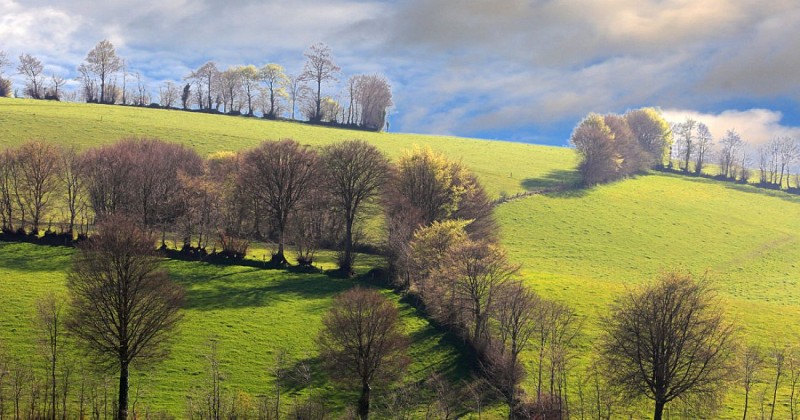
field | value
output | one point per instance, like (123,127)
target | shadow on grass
(255,287)
(34,258)
(746,188)
(557,178)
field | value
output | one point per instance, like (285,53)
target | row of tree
(266,90)
(613,146)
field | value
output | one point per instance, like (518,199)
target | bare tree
(705,141)
(686,134)
(103,61)
(31,68)
(370,96)
(794,379)
(729,150)
(281,173)
(4,62)
(668,339)
(788,151)
(362,342)
(50,322)
(355,171)
(777,355)
(479,270)
(752,361)
(294,88)
(123,307)
(230,82)
(40,168)
(186,94)
(56,83)
(516,317)
(319,68)
(168,94)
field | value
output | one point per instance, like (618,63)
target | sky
(520,70)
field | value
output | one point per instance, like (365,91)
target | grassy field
(252,313)
(582,247)
(587,247)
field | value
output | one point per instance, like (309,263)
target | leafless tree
(705,141)
(50,323)
(123,307)
(39,166)
(168,94)
(788,152)
(230,82)
(32,69)
(777,356)
(56,83)
(686,137)
(249,77)
(667,340)
(370,96)
(103,61)
(88,82)
(355,171)
(752,361)
(294,88)
(281,173)
(516,317)
(319,68)
(4,61)
(9,189)
(793,361)
(729,150)
(362,342)
(479,270)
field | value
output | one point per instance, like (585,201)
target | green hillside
(582,247)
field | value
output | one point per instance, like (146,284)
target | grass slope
(587,247)
(86,125)
(583,247)
(252,313)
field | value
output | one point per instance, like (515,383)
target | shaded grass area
(251,313)
(88,125)
(587,247)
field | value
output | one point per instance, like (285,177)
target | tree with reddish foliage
(362,342)
(123,307)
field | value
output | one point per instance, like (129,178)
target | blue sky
(522,70)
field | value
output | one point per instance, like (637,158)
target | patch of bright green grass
(587,247)
(252,313)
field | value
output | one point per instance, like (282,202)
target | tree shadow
(557,178)
(256,288)
(746,188)
(34,258)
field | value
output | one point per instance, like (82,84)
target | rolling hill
(583,247)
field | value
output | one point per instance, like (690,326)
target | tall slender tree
(319,68)
(103,61)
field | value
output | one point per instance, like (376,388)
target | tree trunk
(659,411)
(122,412)
(746,400)
(363,402)
(347,263)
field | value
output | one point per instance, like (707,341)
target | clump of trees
(613,147)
